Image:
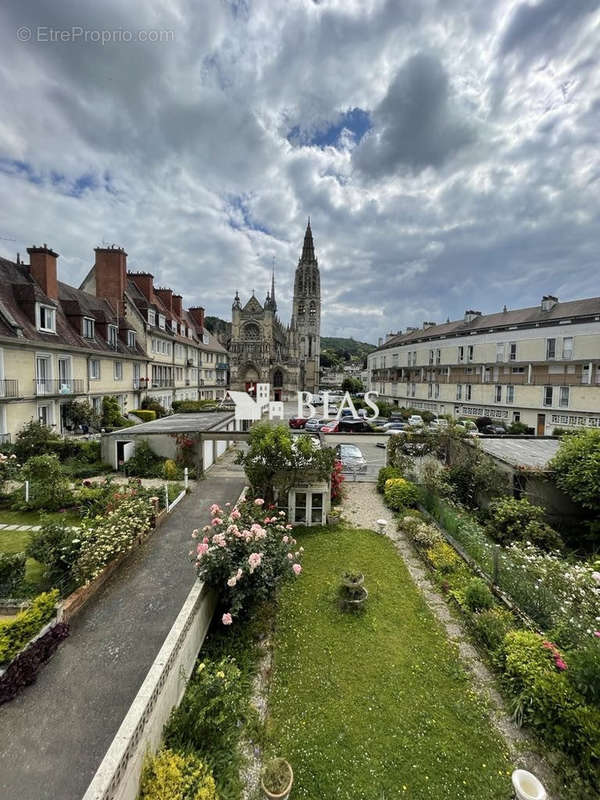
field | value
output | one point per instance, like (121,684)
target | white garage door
(221,447)
(208,454)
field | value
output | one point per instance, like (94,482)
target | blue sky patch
(356,120)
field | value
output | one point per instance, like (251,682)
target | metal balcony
(55,386)
(9,388)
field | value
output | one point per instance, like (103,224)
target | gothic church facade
(263,350)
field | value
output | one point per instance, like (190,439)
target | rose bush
(244,554)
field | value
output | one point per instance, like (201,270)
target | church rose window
(251,332)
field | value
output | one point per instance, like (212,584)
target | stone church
(263,350)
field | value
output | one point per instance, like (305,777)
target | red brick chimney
(111,275)
(42,262)
(177,305)
(197,314)
(144,282)
(166,295)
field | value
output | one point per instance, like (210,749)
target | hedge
(12,573)
(145,414)
(15,633)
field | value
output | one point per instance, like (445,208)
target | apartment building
(539,366)
(107,338)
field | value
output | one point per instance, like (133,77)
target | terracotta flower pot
(282,795)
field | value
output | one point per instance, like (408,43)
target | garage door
(208,454)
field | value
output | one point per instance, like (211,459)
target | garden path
(362,507)
(57,731)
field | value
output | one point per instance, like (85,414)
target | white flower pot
(527,786)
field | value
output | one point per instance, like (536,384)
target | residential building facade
(107,338)
(539,366)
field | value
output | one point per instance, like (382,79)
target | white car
(416,420)
(438,424)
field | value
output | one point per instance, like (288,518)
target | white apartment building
(539,366)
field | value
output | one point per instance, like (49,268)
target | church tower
(306,316)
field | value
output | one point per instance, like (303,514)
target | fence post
(26,491)
(167,497)
(185,478)
(496,564)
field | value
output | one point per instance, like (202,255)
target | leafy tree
(576,468)
(276,460)
(352,385)
(80,413)
(111,414)
(34,440)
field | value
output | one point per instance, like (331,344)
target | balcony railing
(46,386)
(221,365)
(9,387)
(140,383)
(4,438)
(163,383)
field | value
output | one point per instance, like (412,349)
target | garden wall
(118,776)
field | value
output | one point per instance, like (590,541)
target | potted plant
(276,779)
(353,579)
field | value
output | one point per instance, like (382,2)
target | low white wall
(118,776)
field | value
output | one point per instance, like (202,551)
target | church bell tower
(307,313)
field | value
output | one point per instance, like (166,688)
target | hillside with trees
(337,351)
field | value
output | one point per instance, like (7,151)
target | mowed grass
(374,706)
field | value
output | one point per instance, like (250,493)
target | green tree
(576,468)
(276,460)
(352,385)
(80,412)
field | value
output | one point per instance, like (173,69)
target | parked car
(346,412)
(351,425)
(438,424)
(378,424)
(394,428)
(313,424)
(329,426)
(351,458)
(333,409)
(416,420)
(395,423)
(493,430)
(298,422)
(317,400)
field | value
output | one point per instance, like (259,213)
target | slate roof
(19,294)
(522,317)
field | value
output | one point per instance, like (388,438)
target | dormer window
(88,328)
(112,335)
(151,317)
(161,321)
(205,339)
(130,338)
(46,318)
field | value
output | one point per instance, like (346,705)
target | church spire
(308,249)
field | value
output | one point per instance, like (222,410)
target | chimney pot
(43,269)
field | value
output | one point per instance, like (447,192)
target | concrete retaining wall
(117,777)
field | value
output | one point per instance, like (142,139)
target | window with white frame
(94,369)
(550,349)
(118,371)
(498,394)
(470,352)
(112,335)
(46,319)
(130,338)
(461,353)
(459,391)
(89,326)
(563,396)
(438,356)
(512,351)
(151,316)
(430,390)
(468,391)
(548,390)
(568,347)
(436,392)
(499,351)
(510,394)
(162,321)
(431,356)
(97,405)
(45,414)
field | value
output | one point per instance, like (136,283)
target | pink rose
(297,568)
(195,533)
(254,560)
(290,556)
(560,664)
(285,539)
(232,581)
(214,509)
(226,619)
(596,633)
(259,501)
(201,549)
(288,527)
(217,521)
(235,514)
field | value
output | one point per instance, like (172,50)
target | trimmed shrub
(15,633)
(171,472)
(399,493)
(478,596)
(24,668)
(491,625)
(145,414)
(443,558)
(508,518)
(144,463)
(193,406)
(33,440)
(153,405)
(385,473)
(49,486)
(12,573)
(176,776)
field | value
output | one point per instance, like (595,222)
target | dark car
(297,422)
(351,425)
(351,457)
(493,430)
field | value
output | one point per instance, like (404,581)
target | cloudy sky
(446,150)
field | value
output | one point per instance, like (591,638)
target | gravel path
(362,507)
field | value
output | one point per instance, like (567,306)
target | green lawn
(16,541)
(376,706)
